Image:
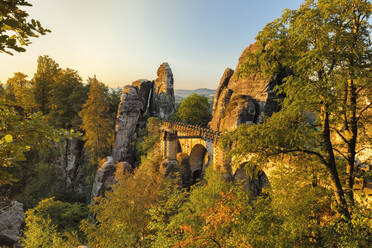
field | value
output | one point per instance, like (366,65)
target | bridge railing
(192,130)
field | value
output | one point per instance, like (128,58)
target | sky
(121,41)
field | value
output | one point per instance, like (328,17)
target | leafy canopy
(15,27)
(195,109)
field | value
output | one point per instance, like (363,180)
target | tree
(323,49)
(148,139)
(15,28)
(195,109)
(53,224)
(96,122)
(113,97)
(19,93)
(122,218)
(20,134)
(43,81)
(67,95)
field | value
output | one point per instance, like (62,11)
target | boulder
(11,221)
(104,179)
(129,112)
(162,103)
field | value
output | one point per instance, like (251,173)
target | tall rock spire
(162,102)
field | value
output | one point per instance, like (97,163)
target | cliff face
(162,102)
(128,116)
(139,101)
(242,100)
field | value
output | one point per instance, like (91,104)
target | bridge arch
(198,159)
(253,178)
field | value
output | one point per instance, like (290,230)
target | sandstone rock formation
(104,179)
(163,102)
(139,101)
(144,88)
(72,162)
(142,99)
(108,174)
(243,99)
(128,116)
(11,221)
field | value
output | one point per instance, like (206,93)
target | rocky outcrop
(222,86)
(139,101)
(129,113)
(108,174)
(142,99)
(104,179)
(162,102)
(144,88)
(243,99)
(11,221)
(72,162)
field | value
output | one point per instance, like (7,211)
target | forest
(315,150)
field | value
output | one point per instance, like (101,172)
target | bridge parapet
(192,130)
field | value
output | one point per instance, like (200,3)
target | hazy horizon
(122,41)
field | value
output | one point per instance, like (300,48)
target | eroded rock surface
(241,99)
(142,99)
(128,116)
(144,87)
(163,102)
(104,179)
(72,162)
(11,221)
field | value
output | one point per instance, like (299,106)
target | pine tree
(97,123)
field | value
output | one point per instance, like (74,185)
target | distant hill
(181,94)
(203,91)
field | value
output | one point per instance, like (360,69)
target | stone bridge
(200,144)
(201,147)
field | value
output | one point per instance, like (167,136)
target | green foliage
(43,81)
(18,92)
(194,109)
(15,27)
(148,138)
(18,135)
(96,122)
(42,183)
(175,213)
(320,52)
(122,216)
(67,95)
(113,98)
(53,224)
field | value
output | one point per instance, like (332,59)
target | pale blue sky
(124,40)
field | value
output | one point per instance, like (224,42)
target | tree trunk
(331,165)
(351,145)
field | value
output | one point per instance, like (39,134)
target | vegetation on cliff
(320,52)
